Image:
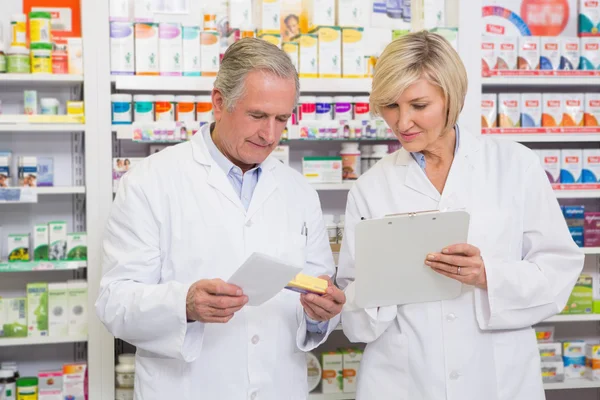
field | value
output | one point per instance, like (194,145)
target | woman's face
(418,117)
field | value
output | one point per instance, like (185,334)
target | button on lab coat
(481,344)
(176,219)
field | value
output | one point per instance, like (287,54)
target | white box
(209,53)
(37,309)
(592,109)
(531,110)
(434,13)
(509,110)
(292,49)
(40,242)
(550,351)
(77,246)
(58,240)
(590,53)
(240,14)
(317,13)
(78,305)
(592,361)
(332,370)
(552,109)
(268,14)
(122,48)
(574,359)
(552,371)
(353,53)
(13,317)
(573,109)
(18,247)
(119,10)
(589,17)
(142,11)
(550,53)
(551,163)
(75,50)
(351,363)
(507,53)
(308,56)
(489,53)
(322,169)
(570,52)
(74,381)
(58,310)
(170,48)
(349,13)
(591,166)
(571,165)
(50,385)
(529,53)
(329,51)
(146,49)
(489,110)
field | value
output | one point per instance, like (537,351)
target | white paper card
(261,277)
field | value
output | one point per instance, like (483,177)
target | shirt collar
(223,162)
(420,158)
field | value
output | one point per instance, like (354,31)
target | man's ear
(218,102)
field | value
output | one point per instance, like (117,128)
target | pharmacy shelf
(28,341)
(550,138)
(557,81)
(572,384)
(574,318)
(332,396)
(205,84)
(578,194)
(591,250)
(40,79)
(42,127)
(60,190)
(333,186)
(34,266)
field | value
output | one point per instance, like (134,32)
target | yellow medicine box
(329,51)
(308,284)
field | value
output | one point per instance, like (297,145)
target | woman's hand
(462,262)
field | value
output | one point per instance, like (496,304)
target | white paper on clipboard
(391,252)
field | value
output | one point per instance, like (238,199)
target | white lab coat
(480,345)
(176,219)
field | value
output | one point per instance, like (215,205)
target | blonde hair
(415,56)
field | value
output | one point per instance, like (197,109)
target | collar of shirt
(223,162)
(420,158)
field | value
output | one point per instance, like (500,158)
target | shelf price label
(18,195)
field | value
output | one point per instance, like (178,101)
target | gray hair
(245,56)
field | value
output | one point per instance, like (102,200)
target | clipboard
(390,257)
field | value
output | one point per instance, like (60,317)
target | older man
(186,218)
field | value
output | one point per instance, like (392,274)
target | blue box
(45,171)
(573,212)
(577,235)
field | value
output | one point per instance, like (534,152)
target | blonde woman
(517,269)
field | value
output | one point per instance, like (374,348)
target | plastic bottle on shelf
(125,377)
(324,108)
(143,108)
(362,111)
(379,152)
(343,108)
(11,366)
(365,157)
(8,385)
(350,161)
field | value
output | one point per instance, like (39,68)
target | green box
(581,298)
(58,240)
(13,317)
(399,32)
(40,242)
(18,247)
(77,246)
(37,309)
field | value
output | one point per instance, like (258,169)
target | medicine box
(40,242)
(549,53)
(329,45)
(317,13)
(544,333)
(58,240)
(322,169)
(210,53)
(351,359)
(45,171)
(596,277)
(551,163)
(349,13)
(509,110)
(18,247)
(489,110)
(550,351)
(77,246)
(590,53)
(581,298)
(592,230)
(507,53)
(267,14)
(571,165)
(592,361)
(332,381)
(78,295)
(531,110)
(308,59)
(529,53)
(13,317)
(552,109)
(577,235)
(591,115)
(58,309)
(573,109)
(353,53)
(292,49)
(552,371)
(589,18)
(574,359)
(272,37)
(489,54)
(50,384)
(591,166)
(74,381)
(574,215)
(240,14)
(37,309)
(570,53)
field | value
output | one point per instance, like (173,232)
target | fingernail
(238,293)
(427,262)
(431,257)
(445,251)
(309,297)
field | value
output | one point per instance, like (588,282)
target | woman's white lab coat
(480,345)
(176,219)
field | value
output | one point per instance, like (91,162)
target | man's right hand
(213,301)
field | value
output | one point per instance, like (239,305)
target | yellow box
(308,284)
(353,53)
(308,56)
(330,51)
(317,13)
(292,50)
(75,108)
(273,37)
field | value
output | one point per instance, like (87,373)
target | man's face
(249,133)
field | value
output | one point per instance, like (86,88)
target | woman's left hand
(462,262)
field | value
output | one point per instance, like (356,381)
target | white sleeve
(319,261)
(523,293)
(133,303)
(359,324)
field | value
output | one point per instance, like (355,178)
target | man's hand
(326,306)
(213,301)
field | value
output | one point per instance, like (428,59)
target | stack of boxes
(340,370)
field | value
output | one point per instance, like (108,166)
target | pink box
(591,228)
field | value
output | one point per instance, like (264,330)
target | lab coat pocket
(492,231)
(292,249)
(156,376)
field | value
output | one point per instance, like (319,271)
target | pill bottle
(39,27)
(343,108)
(324,108)
(49,106)
(11,366)
(365,157)
(27,388)
(350,161)
(185,110)
(8,385)
(204,109)
(331,227)
(121,109)
(18,61)
(41,58)
(143,108)
(379,152)
(307,109)
(362,110)
(164,108)
(125,377)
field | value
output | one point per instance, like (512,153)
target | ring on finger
(457,270)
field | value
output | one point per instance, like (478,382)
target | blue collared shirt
(420,158)
(244,185)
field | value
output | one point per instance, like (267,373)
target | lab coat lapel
(267,183)
(415,177)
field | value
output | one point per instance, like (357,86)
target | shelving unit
(38,266)
(42,127)
(31,341)
(541,81)
(549,138)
